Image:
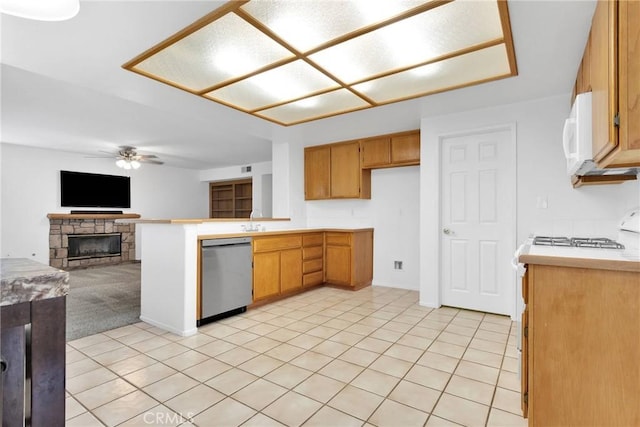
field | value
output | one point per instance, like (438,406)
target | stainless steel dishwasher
(226,277)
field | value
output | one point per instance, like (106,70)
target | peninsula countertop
(24,280)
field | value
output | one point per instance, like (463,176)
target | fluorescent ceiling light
(293,61)
(41,10)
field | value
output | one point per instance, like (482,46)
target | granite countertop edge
(25,280)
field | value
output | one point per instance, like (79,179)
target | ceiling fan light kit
(127,164)
(291,62)
(128,158)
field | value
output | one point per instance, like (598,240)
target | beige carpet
(102,298)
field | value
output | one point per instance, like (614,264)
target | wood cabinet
(277,265)
(317,172)
(333,172)
(349,258)
(610,68)
(231,199)
(401,149)
(342,170)
(312,259)
(581,346)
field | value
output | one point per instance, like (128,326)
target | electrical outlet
(397,265)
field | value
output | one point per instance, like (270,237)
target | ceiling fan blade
(154,162)
(146,156)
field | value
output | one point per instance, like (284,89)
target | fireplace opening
(83,246)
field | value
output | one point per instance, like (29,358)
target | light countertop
(606,259)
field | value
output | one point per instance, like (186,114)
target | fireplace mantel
(93,216)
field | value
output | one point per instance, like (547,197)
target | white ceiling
(63,86)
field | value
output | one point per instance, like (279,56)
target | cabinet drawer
(311,279)
(263,244)
(312,252)
(312,239)
(312,265)
(338,239)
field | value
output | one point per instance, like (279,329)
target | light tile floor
(328,357)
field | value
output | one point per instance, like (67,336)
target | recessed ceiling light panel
(315,107)
(478,66)
(225,49)
(286,83)
(431,34)
(305,25)
(294,61)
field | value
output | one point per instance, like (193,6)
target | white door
(478,220)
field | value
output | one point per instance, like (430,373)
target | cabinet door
(338,265)
(317,173)
(290,269)
(629,72)
(375,152)
(266,275)
(345,170)
(405,149)
(604,78)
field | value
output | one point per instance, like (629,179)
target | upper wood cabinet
(317,172)
(613,58)
(343,170)
(401,149)
(376,152)
(333,172)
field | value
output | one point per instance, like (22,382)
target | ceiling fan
(128,158)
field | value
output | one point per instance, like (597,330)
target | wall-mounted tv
(92,190)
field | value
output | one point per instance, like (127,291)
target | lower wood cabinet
(349,258)
(581,346)
(277,265)
(312,259)
(266,275)
(284,264)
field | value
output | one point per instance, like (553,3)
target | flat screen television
(92,190)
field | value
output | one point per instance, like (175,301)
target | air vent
(245,169)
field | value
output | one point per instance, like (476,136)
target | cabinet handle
(447,231)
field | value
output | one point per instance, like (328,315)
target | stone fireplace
(83,240)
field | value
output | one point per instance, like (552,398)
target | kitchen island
(170,271)
(580,336)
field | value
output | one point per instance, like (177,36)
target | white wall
(261,183)
(30,189)
(541,173)
(393,212)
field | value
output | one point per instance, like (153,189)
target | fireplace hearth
(82,246)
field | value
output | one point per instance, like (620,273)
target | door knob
(447,231)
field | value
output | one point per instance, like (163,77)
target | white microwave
(576,136)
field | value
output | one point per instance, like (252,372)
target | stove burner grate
(578,242)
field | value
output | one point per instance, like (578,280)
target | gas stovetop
(578,242)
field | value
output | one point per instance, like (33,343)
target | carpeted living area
(102,298)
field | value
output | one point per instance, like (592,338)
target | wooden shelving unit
(231,199)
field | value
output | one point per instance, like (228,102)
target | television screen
(91,190)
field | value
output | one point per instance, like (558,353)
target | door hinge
(525,332)
(616,120)
(525,398)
